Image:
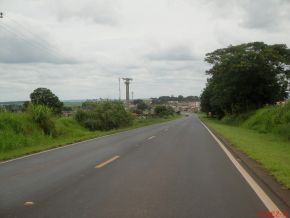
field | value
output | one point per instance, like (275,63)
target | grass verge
(270,150)
(69,131)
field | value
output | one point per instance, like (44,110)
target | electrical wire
(35,44)
(35,37)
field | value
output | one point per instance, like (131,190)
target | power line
(35,37)
(35,43)
(24,39)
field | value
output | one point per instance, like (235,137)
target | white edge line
(152,137)
(271,206)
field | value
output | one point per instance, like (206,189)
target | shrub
(237,119)
(270,119)
(42,115)
(16,130)
(2,109)
(163,111)
(103,115)
(9,120)
(142,106)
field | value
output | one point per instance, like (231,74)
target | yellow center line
(29,203)
(107,162)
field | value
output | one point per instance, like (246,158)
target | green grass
(271,150)
(270,119)
(19,135)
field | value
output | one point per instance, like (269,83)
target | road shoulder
(268,183)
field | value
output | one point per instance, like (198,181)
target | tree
(191,98)
(43,96)
(246,77)
(180,98)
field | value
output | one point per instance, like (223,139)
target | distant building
(192,106)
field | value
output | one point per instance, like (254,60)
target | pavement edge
(268,183)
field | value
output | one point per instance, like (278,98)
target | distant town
(179,104)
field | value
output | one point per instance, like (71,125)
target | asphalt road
(175,169)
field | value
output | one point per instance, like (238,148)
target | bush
(103,115)
(142,106)
(163,111)
(16,130)
(275,119)
(270,119)
(2,109)
(42,115)
(237,119)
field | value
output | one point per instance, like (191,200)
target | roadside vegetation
(274,119)
(245,101)
(246,77)
(104,115)
(270,149)
(41,124)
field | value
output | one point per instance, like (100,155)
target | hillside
(270,119)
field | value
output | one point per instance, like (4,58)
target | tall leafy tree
(246,77)
(43,96)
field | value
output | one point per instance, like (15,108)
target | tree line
(180,98)
(245,77)
(45,107)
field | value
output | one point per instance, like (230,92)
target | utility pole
(132,96)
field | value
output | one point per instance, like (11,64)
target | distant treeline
(180,98)
(12,106)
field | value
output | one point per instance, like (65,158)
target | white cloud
(270,15)
(177,53)
(101,11)
(28,43)
(160,43)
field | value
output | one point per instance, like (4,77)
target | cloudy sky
(79,49)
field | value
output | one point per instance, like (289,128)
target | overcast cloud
(79,49)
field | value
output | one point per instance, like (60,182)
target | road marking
(152,137)
(107,162)
(252,183)
(72,144)
(29,203)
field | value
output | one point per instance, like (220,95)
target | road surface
(174,169)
